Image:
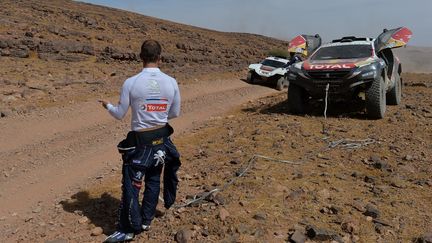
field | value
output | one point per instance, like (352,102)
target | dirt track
(61,172)
(49,153)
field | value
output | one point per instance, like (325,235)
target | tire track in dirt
(49,153)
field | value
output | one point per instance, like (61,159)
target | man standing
(154,98)
(294,58)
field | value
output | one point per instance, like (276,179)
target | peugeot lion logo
(327,75)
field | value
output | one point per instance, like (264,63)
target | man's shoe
(119,237)
(145,227)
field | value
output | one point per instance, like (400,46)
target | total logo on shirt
(155,107)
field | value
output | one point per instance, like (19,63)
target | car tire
(296,99)
(281,83)
(394,96)
(376,99)
(250,77)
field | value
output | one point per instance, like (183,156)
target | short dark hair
(150,51)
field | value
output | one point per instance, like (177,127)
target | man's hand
(104,103)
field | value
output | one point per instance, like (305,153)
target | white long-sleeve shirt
(153,96)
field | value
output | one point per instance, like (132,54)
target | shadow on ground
(354,109)
(102,212)
(262,83)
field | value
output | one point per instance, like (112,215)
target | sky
(285,19)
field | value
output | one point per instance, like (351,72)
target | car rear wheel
(376,99)
(296,99)
(281,83)
(394,96)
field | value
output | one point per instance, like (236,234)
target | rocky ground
(343,179)
(379,191)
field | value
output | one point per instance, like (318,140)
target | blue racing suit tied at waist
(148,148)
(146,138)
(144,154)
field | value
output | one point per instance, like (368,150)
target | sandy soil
(49,153)
(60,171)
(61,178)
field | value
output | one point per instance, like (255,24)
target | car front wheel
(281,83)
(250,77)
(376,99)
(296,99)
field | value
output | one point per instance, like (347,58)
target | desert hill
(58,51)
(352,180)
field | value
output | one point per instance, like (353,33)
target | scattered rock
(234,161)
(4,114)
(243,229)
(96,231)
(330,209)
(369,179)
(205,232)
(83,220)
(426,238)
(356,174)
(317,234)
(294,195)
(408,157)
(375,158)
(20,53)
(184,236)
(398,183)
(379,228)
(322,156)
(410,107)
(259,233)
(377,163)
(37,210)
(358,205)
(350,226)
(217,198)
(260,216)
(371,211)
(223,214)
(298,237)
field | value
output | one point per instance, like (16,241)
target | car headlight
(365,72)
(369,74)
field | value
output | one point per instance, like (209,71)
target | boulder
(184,236)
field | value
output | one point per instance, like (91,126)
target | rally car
(271,70)
(351,67)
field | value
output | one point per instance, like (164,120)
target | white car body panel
(268,71)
